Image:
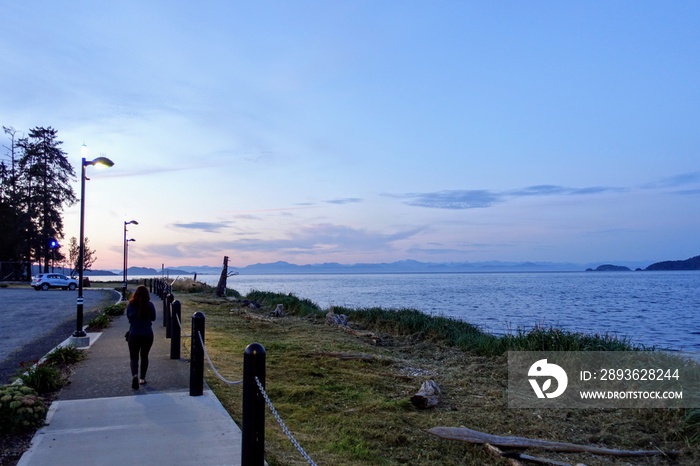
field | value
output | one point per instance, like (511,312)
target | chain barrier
(282,424)
(183,344)
(284,427)
(211,364)
(182,329)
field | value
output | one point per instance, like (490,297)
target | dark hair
(140,300)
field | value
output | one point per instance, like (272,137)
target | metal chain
(282,424)
(211,364)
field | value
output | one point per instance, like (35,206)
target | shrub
(292,304)
(99,322)
(64,355)
(188,285)
(20,408)
(115,309)
(43,378)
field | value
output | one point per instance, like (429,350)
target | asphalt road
(33,322)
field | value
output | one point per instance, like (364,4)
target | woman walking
(141,312)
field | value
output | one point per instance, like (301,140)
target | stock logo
(542,369)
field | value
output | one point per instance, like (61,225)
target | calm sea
(651,308)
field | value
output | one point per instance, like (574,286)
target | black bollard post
(176,331)
(197,356)
(253,425)
(169,319)
(165,310)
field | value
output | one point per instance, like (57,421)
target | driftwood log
(428,396)
(279,311)
(474,436)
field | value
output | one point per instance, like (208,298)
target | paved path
(99,419)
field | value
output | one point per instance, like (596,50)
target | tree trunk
(221,287)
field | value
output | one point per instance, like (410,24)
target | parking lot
(33,322)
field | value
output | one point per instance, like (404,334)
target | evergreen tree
(10,211)
(45,176)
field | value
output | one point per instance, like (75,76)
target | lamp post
(80,338)
(126,252)
(53,245)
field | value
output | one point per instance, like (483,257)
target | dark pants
(139,346)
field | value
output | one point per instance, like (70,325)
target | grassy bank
(345,394)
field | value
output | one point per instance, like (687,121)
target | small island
(689,264)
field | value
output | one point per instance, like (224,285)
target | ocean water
(659,309)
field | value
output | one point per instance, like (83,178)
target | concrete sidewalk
(98,419)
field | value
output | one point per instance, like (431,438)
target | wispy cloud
(554,190)
(347,200)
(209,227)
(454,199)
(676,181)
(476,199)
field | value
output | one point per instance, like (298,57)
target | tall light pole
(79,337)
(126,249)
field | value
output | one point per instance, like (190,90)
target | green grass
(358,411)
(466,336)
(690,428)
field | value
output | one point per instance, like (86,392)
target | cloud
(454,199)
(676,181)
(209,227)
(477,199)
(689,192)
(347,200)
(554,190)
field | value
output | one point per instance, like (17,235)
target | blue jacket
(140,326)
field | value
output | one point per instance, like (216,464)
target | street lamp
(80,338)
(131,222)
(53,245)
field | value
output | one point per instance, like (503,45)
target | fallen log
(428,396)
(474,436)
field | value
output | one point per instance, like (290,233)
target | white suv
(44,281)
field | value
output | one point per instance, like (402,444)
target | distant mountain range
(405,266)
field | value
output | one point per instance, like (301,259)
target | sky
(368,131)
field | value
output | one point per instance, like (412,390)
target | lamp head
(130,222)
(104,161)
